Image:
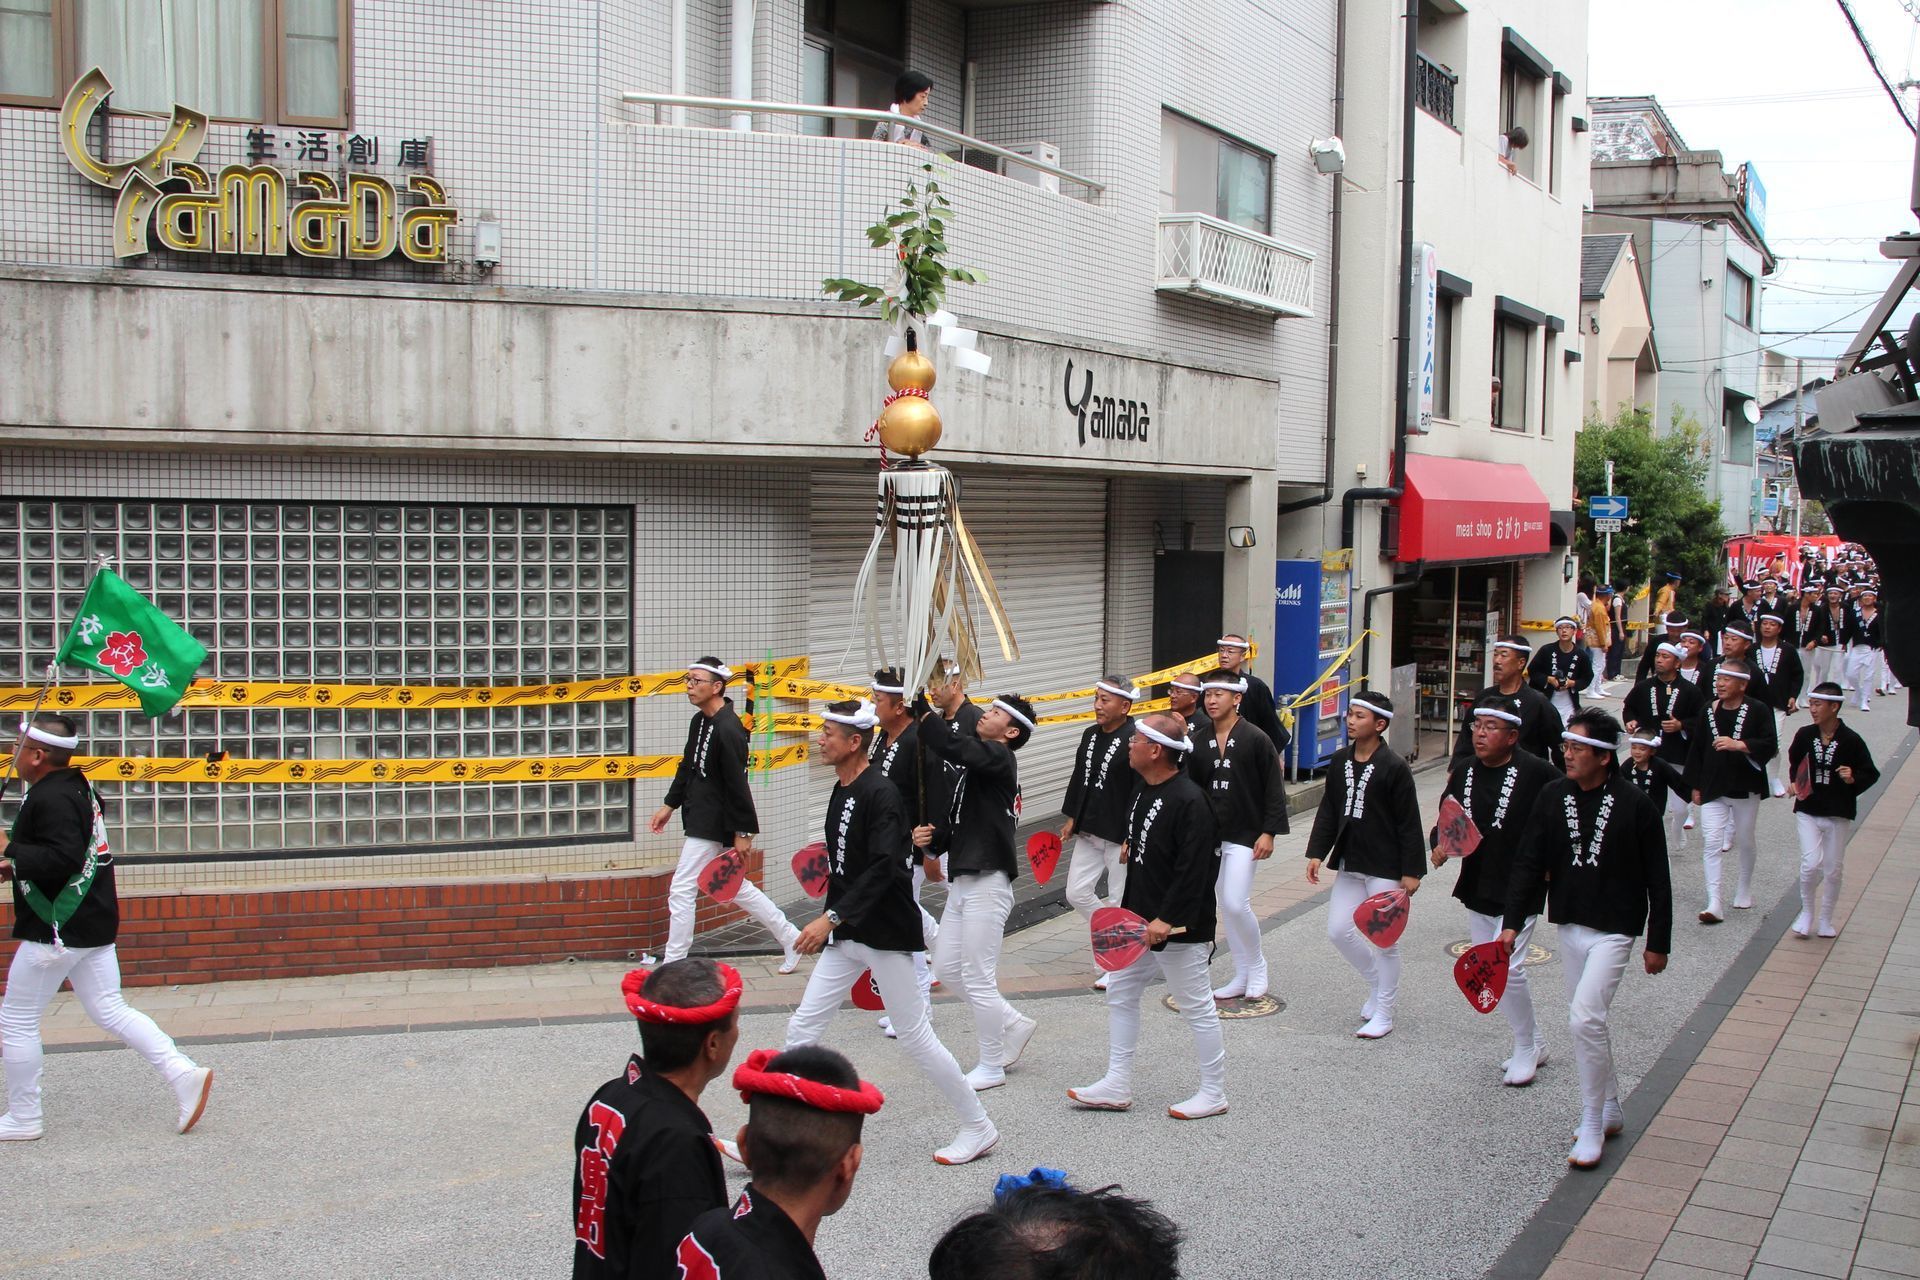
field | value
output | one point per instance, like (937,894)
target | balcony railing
(1433,88)
(1208,257)
(743,109)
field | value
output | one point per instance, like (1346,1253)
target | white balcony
(1206,257)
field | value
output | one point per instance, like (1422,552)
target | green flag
(120,633)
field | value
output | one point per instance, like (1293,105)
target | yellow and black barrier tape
(196,769)
(209,694)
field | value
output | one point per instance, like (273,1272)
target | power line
(1799,333)
(1846,10)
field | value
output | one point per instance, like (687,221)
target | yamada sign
(251,209)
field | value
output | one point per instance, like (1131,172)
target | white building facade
(457,359)
(1473,543)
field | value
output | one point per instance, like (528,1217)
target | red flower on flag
(123,653)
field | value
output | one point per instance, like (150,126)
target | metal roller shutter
(1044,539)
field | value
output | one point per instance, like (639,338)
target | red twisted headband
(752,1077)
(650,1011)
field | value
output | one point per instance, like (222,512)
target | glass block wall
(389,593)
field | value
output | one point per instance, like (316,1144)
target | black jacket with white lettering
(870,865)
(1653,702)
(1382,837)
(986,798)
(710,785)
(1550,661)
(1102,784)
(943,776)
(1540,724)
(1624,888)
(1485,873)
(1173,856)
(1785,677)
(1243,783)
(1832,798)
(48,845)
(1731,775)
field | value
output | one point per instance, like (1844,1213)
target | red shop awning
(1459,509)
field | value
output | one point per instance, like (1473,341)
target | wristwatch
(833,917)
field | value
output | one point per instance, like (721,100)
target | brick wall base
(215,937)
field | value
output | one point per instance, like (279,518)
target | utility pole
(1606,557)
(1799,425)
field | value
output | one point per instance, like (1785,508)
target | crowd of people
(1573,814)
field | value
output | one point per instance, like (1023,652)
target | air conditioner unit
(1045,152)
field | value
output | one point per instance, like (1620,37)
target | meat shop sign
(258,209)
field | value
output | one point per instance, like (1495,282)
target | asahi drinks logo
(1104,417)
(250,209)
(1292,595)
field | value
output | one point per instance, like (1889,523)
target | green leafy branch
(917,235)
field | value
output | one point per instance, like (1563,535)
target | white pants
(1675,821)
(1091,857)
(1517,1003)
(1829,663)
(966,955)
(929,927)
(1233,894)
(1380,966)
(1563,703)
(1823,855)
(1777,767)
(1185,967)
(34,979)
(682,895)
(1719,820)
(839,966)
(1863,672)
(1594,963)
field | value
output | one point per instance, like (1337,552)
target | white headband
(1154,735)
(1733,675)
(1228,642)
(1654,741)
(1008,708)
(1231,686)
(1743,633)
(1129,693)
(1193,687)
(722,670)
(1603,744)
(1497,714)
(1667,646)
(1564,621)
(1826,697)
(1693,635)
(49,737)
(890,688)
(1514,645)
(1382,712)
(861,717)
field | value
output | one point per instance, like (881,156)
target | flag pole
(19,742)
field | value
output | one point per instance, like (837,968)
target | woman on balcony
(910,93)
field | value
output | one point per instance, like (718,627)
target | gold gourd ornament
(909,425)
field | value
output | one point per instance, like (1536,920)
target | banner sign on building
(251,209)
(1426,309)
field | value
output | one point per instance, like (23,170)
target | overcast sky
(1783,83)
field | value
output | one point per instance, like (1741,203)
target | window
(1739,431)
(30,37)
(1446,320)
(855,50)
(274,61)
(1556,124)
(1205,171)
(1547,381)
(1739,298)
(1523,72)
(1443,46)
(1512,341)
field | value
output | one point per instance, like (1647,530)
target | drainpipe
(1333,249)
(1403,360)
(678,27)
(1366,616)
(741,41)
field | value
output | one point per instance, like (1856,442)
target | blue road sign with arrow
(1607,506)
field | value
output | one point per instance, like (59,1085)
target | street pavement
(329,1151)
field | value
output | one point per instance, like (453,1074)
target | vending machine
(1311,629)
